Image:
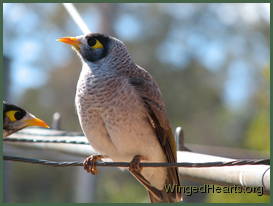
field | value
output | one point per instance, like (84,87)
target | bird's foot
(135,170)
(134,164)
(89,163)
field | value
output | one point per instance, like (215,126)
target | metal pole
(72,11)
(245,175)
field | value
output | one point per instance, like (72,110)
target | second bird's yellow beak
(36,122)
(74,41)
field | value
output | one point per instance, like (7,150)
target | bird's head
(16,118)
(96,48)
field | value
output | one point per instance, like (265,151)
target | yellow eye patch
(94,43)
(97,45)
(11,115)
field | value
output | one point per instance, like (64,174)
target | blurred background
(210,60)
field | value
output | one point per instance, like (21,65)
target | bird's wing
(151,96)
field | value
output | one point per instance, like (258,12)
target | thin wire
(45,141)
(76,17)
(142,164)
(121,164)
(63,133)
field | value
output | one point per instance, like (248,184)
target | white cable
(70,8)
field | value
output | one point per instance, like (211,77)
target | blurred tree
(257,138)
(57,95)
(257,135)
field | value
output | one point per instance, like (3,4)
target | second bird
(122,113)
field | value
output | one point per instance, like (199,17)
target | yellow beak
(36,122)
(71,40)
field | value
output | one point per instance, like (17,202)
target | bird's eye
(19,115)
(94,43)
(14,115)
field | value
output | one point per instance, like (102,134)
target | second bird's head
(16,118)
(95,47)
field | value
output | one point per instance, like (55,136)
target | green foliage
(257,135)
(237,198)
(256,138)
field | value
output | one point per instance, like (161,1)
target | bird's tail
(165,197)
(171,191)
(152,198)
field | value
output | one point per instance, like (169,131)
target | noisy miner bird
(16,118)
(122,113)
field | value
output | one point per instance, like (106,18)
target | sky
(25,49)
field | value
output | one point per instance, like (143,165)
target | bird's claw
(89,163)
(135,170)
(134,164)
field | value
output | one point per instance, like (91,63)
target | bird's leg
(135,170)
(89,163)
